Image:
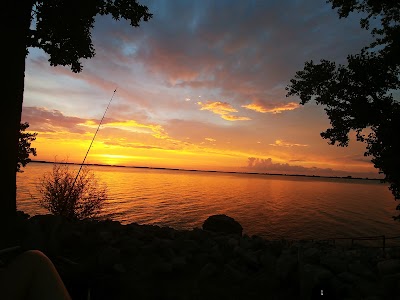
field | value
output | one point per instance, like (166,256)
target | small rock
(162,267)
(276,248)
(389,266)
(251,260)
(232,273)
(178,263)
(313,279)
(348,277)
(207,270)
(233,242)
(36,238)
(105,236)
(391,283)
(119,268)
(368,288)
(246,242)
(373,298)
(108,256)
(216,255)
(335,264)
(340,289)
(268,261)
(311,256)
(190,245)
(286,265)
(361,270)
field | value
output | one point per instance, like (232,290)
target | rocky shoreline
(108,260)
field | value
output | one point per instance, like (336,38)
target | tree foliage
(382,19)
(24,146)
(68,41)
(360,95)
(64,194)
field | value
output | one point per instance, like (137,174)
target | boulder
(391,284)
(208,270)
(268,261)
(334,263)
(108,256)
(390,266)
(361,270)
(222,224)
(286,266)
(311,256)
(314,280)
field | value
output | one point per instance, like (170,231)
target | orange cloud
(210,139)
(217,107)
(234,118)
(281,143)
(223,109)
(156,131)
(274,110)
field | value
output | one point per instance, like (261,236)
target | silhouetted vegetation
(79,199)
(358,96)
(24,146)
(62,29)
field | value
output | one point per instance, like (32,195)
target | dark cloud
(242,48)
(357,158)
(42,119)
(244,51)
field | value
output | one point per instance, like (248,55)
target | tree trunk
(17,17)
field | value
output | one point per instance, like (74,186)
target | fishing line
(98,127)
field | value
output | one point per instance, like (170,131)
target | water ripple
(269,206)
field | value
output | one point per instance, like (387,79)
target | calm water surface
(270,206)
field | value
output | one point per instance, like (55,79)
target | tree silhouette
(24,146)
(360,96)
(63,30)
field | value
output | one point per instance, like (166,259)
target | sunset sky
(199,86)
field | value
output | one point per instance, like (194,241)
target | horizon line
(208,171)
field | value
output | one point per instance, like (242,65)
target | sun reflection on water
(270,206)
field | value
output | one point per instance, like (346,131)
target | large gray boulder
(222,224)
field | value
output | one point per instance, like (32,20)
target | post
(384,243)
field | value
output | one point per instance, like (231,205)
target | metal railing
(353,240)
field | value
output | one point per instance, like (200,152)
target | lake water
(273,207)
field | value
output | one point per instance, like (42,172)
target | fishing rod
(98,127)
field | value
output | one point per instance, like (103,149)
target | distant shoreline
(210,171)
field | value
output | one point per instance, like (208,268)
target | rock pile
(115,261)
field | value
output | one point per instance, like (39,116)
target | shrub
(62,195)
(24,146)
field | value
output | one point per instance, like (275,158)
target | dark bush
(73,197)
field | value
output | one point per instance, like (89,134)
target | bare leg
(32,275)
